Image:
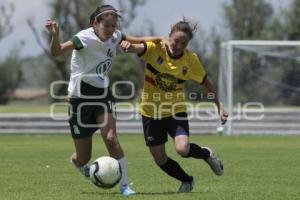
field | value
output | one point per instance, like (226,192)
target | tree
(126,68)
(255,20)
(207,47)
(291,31)
(10,77)
(72,16)
(292,22)
(248,19)
(10,68)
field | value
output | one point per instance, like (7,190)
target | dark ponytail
(184,26)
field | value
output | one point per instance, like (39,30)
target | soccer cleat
(84,170)
(187,186)
(214,162)
(126,190)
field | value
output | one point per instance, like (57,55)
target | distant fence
(273,121)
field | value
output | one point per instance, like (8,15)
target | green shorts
(83,112)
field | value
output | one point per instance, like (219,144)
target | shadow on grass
(155,193)
(101,193)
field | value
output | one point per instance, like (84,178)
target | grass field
(256,167)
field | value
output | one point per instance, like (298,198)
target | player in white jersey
(92,104)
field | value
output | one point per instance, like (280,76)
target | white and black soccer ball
(105,172)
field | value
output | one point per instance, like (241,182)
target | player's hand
(125,45)
(52,27)
(164,42)
(223,115)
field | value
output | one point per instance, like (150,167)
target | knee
(112,141)
(183,149)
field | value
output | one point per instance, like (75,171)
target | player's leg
(198,152)
(208,156)
(155,133)
(81,157)
(179,130)
(108,131)
(186,149)
(170,166)
(82,137)
(107,124)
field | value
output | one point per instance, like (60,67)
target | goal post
(256,58)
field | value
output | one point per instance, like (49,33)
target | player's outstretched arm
(132,48)
(211,89)
(136,40)
(56,48)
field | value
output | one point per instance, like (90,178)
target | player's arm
(211,89)
(135,40)
(57,48)
(129,47)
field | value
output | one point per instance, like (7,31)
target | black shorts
(156,130)
(84,111)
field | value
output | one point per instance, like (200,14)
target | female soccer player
(163,109)
(92,103)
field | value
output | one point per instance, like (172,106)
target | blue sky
(207,12)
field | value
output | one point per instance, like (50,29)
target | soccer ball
(105,172)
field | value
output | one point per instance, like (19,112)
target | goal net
(259,85)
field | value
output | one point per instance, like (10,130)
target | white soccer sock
(124,180)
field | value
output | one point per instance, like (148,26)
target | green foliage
(292,31)
(256,167)
(260,78)
(11,75)
(127,68)
(10,78)
(72,15)
(248,19)
(207,47)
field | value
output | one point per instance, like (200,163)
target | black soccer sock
(172,168)
(198,152)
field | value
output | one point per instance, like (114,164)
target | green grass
(24,109)
(57,108)
(256,167)
(60,107)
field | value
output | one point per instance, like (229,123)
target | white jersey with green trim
(91,60)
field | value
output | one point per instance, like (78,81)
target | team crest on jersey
(166,82)
(184,70)
(103,68)
(159,60)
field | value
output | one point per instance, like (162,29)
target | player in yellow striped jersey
(168,65)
